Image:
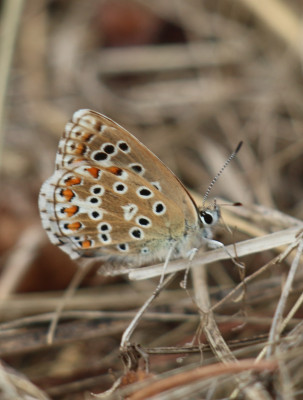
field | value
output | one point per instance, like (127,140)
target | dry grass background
(190,79)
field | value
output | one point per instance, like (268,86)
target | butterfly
(111,198)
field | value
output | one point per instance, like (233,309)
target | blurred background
(190,79)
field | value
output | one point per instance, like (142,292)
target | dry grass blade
(281,19)
(14,385)
(251,246)
(10,19)
(19,261)
(201,373)
(214,337)
(274,334)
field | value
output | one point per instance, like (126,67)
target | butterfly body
(111,198)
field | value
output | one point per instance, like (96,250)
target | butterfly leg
(191,254)
(125,341)
(213,244)
(168,256)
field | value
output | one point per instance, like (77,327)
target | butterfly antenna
(230,158)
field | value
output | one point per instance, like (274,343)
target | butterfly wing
(111,197)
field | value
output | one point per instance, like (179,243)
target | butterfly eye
(209,217)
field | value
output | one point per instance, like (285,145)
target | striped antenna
(230,158)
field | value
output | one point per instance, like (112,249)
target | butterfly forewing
(110,196)
(90,137)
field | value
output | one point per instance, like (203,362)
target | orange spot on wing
(93,171)
(73,181)
(80,149)
(74,226)
(86,136)
(70,211)
(68,194)
(86,244)
(114,170)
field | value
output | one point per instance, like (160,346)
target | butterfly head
(209,216)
